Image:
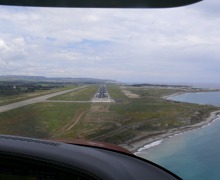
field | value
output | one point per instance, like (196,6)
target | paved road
(35,100)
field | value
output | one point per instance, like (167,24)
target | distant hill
(56,79)
(161,85)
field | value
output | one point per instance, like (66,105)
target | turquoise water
(194,154)
(212,98)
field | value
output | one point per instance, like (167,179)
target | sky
(128,45)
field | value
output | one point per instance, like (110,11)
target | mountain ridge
(53,79)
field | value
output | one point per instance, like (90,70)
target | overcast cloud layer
(132,45)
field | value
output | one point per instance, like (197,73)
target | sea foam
(155,143)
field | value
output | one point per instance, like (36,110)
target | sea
(194,154)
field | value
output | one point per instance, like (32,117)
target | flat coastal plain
(128,116)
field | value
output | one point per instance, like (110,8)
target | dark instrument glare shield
(100,3)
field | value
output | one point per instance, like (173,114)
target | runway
(102,95)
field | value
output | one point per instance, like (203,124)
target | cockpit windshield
(143,79)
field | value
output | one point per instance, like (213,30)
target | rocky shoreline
(134,147)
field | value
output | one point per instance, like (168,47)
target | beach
(157,138)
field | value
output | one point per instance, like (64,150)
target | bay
(211,98)
(194,154)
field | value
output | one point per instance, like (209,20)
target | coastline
(173,95)
(148,142)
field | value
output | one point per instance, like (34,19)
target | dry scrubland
(136,114)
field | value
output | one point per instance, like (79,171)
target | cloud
(210,8)
(177,44)
(3,46)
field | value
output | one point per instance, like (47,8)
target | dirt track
(69,126)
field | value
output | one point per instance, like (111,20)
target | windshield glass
(131,77)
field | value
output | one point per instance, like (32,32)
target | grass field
(116,93)
(41,120)
(119,122)
(85,94)
(151,113)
